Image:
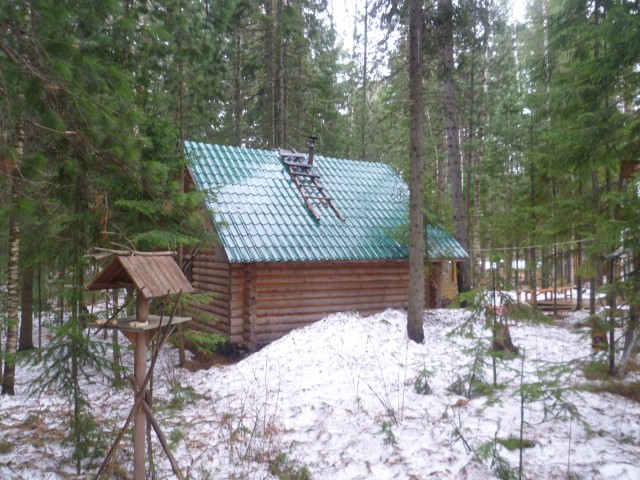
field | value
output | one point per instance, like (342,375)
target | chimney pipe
(312,147)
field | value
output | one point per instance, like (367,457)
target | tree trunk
(237,84)
(441,162)
(115,344)
(279,78)
(415,327)
(578,277)
(8,377)
(453,141)
(477,214)
(270,51)
(477,207)
(365,84)
(26,313)
(633,327)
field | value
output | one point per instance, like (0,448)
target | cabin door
(433,283)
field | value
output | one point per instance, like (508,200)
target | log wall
(211,273)
(289,295)
(256,303)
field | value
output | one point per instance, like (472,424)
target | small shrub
(182,396)
(37,442)
(204,474)
(283,468)
(596,370)
(487,451)
(32,421)
(513,443)
(387,433)
(475,388)
(421,385)
(6,447)
(204,344)
(88,440)
(175,437)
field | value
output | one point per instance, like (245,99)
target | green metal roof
(261,216)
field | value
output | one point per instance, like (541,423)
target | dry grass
(599,371)
(630,390)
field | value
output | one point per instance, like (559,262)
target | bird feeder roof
(153,275)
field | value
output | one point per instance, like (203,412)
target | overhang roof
(260,215)
(154,275)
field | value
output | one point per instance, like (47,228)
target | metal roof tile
(265,217)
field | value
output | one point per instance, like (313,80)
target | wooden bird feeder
(152,276)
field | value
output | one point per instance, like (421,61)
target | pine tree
(450,108)
(416,184)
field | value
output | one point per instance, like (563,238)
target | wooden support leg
(163,440)
(139,419)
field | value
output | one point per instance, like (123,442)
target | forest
(521,136)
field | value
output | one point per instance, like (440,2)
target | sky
(344,12)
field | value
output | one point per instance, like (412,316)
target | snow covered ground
(337,400)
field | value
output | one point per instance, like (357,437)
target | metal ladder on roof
(306,179)
(187,263)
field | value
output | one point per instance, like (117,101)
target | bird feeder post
(140,372)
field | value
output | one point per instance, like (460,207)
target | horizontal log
(237,322)
(208,268)
(288,323)
(220,310)
(206,277)
(213,252)
(215,309)
(237,330)
(207,327)
(266,306)
(222,306)
(236,294)
(280,328)
(330,271)
(211,287)
(330,264)
(324,283)
(330,288)
(264,334)
(309,317)
(222,313)
(311,297)
(337,272)
(211,261)
(216,297)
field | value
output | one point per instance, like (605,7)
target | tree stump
(502,340)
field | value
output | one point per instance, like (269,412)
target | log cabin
(301,236)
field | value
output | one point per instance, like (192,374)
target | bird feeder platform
(130,326)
